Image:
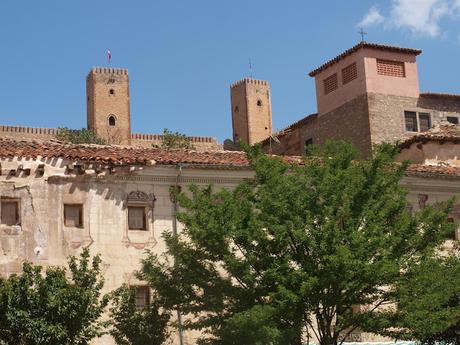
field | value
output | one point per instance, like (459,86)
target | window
(452,119)
(417,122)
(330,83)
(309,142)
(424,122)
(237,109)
(259,103)
(112,91)
(391,68)
(411,121)
(112,120)
(349,73)
(142,294)
(73,215)
(10,212)
(137,218)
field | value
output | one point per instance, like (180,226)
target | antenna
(362,33)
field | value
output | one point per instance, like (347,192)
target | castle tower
(108,112)
(251,110)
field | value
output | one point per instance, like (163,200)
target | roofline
(357,47)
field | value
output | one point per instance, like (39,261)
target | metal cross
(362,33)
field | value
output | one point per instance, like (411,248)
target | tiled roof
(364,45)
(291,127)
(450,96)
(442,132)
(423,170)
(118,155)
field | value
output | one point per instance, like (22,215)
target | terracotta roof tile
(442,132)
(363,45)
(450,96)
(118,155)
(433,171)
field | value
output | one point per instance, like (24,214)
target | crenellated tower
(108,110)
(251,110)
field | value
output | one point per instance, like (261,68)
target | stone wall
(386,114)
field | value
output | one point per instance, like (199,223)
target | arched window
(259,103)
(112,91)
(112,120)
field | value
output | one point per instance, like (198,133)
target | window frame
(417,120)
(144,217)
(80,224)
(18,217)
(146,296)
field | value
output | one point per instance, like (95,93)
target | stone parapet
(20,132)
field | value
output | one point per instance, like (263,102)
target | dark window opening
(112,91)
(137,218)
(73,215)
(112,120)
(452,119)
(10,212)
(259,103)
(142,295)
(309,142)
(424,121)
(237,109)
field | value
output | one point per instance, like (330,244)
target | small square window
(410,118)
(424,121)
(73,215)
(452,119)
(142,294)
(137,218)
(10,212)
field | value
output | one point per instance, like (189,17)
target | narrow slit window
(112,120)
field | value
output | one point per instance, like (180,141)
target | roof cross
(362,33)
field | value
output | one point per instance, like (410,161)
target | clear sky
(182,55)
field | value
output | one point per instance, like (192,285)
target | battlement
(109,70)
(47,132)
(250,81)
(158,137)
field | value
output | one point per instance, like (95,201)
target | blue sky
(183,55)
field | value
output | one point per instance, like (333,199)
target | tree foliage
(44,307)
(428,303)
(79,136)
(175,140)
(133,326)
(296,246)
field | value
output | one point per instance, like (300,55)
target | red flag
(109,55)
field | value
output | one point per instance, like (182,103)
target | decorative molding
(139,196)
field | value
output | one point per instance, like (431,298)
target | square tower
(251,110)
(108,110)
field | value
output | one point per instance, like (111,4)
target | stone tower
(251,110)
(108,112)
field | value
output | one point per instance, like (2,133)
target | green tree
(79,136)
(131,325)
(428,303)
(297,246)
(44,307)
(175,140)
